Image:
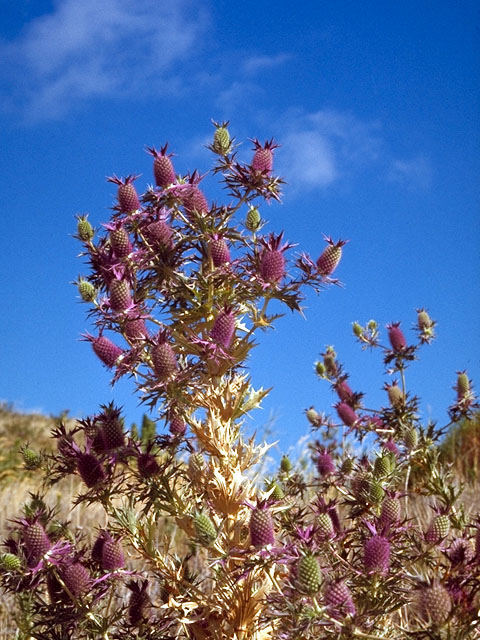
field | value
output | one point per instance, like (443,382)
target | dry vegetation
(17,485)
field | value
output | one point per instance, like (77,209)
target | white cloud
(239,96)
(309,159)
(86,49)
(255,64)
(319,148)
(414,173)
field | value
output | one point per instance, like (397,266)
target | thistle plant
(194,542)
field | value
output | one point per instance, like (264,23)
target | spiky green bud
(285,464)
(10,562)
(376,493)
(204,529)
(383,466)
(357,329)
(252,221)
(424,321)
(31,458)
(276,490)
(320,369)
(347,466)
(313,417)
(463,385)
(84,228)
(438,529)
(86,290)
(221,141)
(308,574)
(196,464)
(329,362)
(410,438)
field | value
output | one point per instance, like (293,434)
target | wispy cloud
(414,173)
(255,64)
(319,148)
(92,49)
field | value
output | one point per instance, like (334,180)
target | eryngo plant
(194,544)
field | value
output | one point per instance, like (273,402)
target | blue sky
(376,106)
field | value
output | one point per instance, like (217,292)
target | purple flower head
(107,351)
(163,170)
(339,601)
(262,161)
(396,337)
(127,195)
(223,329)
(376,555)
(325,464)
(346,414)
(271,266)
(262,532)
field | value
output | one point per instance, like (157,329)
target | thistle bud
(261,527)
(344,392)
(395,396)
(276,491)
(396,337)
(31,459)
(383,466)
(435,604)
(86,290)
(10,562)
(120,297)
(252,221)
(223,330)
(36,541)
(325,464)
(325,527)
(357,329)
(438,529)
(338,599)
(219,251)
(164,360)
(331,256)
(196,464)
(77,579)
(139,603)
(285,464)
(272,265)
(308,574)
(463,385)
(410,438)
(120,242)
(320,369)
(313,417)
(346,414)
(461,551)
(221,141)
(177,426)
(361,483)
(330,363)
(390,513)
(84,228)
(204,529)
(424,321)
(90,469)
(112,554)
(347,466)
(106,350)
(376,555)
(376,493)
